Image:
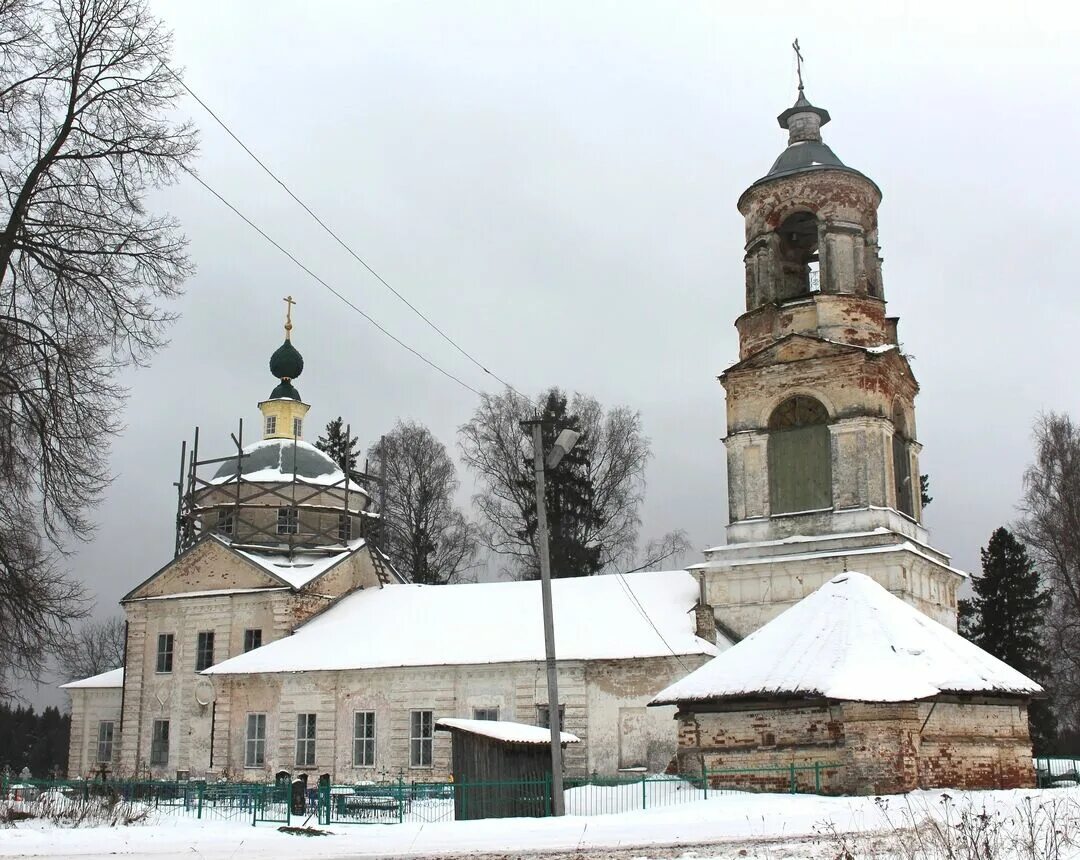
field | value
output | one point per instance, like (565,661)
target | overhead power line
(334,235)
(312,274)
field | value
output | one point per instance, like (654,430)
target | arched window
(905,498)
(798,256)
(800,456)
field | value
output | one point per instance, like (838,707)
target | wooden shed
(501,769)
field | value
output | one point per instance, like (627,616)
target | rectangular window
(297,427)
(164,652)
(271,425)
(421,738)
(204,651)
(159,743)
(105,740)
(305,740)
(485,713)
(252,640)
(224,522)
(543,717)
(288,521)
(344,527)
(363,744)
(255,741)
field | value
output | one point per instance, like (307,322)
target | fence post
(199,786)
(704,778)
(817,777)
(793,778)
(401,799)
(644,802)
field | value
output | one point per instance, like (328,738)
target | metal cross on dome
(289,302)
(798,62)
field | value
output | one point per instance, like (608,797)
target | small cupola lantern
(283,412)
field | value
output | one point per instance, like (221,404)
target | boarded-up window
(800,457)
(902,463)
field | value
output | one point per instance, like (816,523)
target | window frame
(297,427)
(364,742)
(255,744)
(159,744)
(204,650)
(306,742)
(226,524)
(479,712)
(288,520)
(250,635)
(106,742)
(421,740)
(270,425)
(545,721)
(166,646)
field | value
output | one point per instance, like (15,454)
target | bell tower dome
(822,451)
(283,412)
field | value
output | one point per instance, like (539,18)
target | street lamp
(566,441)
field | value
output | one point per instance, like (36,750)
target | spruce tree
(337,445)
(1006,619)
(569,496)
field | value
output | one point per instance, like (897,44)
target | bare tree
(429,540)
(1051,529)
(611,463)
(85,99)
(94,648)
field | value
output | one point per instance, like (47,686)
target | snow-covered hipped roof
(503,730)
(112,678)
(851,639)
(493,622)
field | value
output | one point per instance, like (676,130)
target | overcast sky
(555,185)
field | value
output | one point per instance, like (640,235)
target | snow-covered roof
(112,678)
(851,639)
(503,730)
(493,622)
(276,460)
(303,566)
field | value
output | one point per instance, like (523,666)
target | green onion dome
(284,389)
(286,363)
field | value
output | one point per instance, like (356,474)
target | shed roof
(852,640)
(504,731)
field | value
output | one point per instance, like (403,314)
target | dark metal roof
(278,455)
(804,155)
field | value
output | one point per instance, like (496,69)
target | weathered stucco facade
(95,717)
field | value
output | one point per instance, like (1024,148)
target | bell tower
(822,453)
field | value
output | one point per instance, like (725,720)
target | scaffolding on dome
(249,496)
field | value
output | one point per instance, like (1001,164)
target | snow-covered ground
(722,826)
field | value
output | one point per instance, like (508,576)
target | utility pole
(563,444)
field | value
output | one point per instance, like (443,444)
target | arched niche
(797,252)
(800,456)
(904,484)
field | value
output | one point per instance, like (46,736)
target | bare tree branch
(85,128)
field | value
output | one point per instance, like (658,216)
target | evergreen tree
(569,496)
(337,445)
(1007,616)
(924,490)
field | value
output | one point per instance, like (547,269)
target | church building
(279,637)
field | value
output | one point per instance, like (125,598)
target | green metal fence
(816,778)
(397,801)
(1056,771)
